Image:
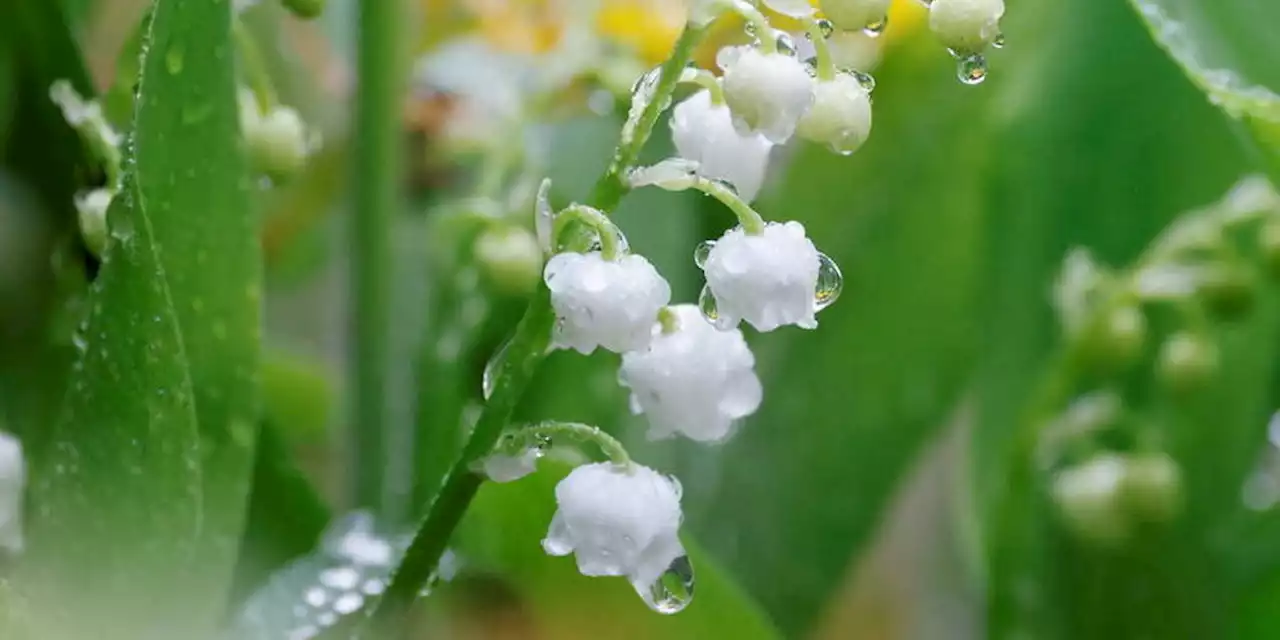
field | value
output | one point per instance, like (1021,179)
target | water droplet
(493,369)
(971,69)
(80,342)
(874,29)
(830,283)
(826,28)
(749,28)
(786,44)
(173,60)
(866,80)
(707,304)
(998,42)
(673,590)
(120,226)
(702,252)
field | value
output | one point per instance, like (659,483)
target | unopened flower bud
(1152,487)
(966,26)
(1090,502)
(766,92)
(841,114)
(510,258)
(1228,292)
(1187,361)
(277,141)
(855,14)
(1117,341)
(91,210)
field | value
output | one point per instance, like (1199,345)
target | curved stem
(753,16)
(749,218)
(585,432)
(706,80)
(825,65)
(610,243)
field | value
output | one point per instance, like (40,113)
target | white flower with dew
(695,381)
(841,114)
(769,279)
(13,481)
(604,303)
(855,14)
(966,26)
(766,92)
(704,132)
(617,520)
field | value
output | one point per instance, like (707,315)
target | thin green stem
(584,432)
(749,218)
(613,185)
(610,241)
(527,349)
(255,67)
(757,20)
(706,80)
(377,174)
(825,65)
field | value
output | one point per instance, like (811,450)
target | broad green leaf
(139,487)
(502,534)
(1230,50)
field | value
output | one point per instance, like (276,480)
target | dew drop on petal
(707,304)
(702,252)
(826,28)
(830,282)
(786,45)
(865,80)
(874,29)
(673,590)
(971,69)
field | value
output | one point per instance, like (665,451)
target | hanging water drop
(971,69)
(786,44)
(865,80)
(672,591)
(998,42)
(830,283)
(493,369)
(702,252)
(874,29)
(826,28)
(707,304)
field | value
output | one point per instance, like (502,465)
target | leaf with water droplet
(163,516)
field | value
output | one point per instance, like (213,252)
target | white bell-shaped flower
(704,132)
(278,141)
(766,92)
(769,279)
(617,521)
(841,114)
(13,482)
(966,26)
(695,381)
(855,14)
(604,303)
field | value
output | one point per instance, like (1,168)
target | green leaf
(502,533)
(139,487)
(1230,50)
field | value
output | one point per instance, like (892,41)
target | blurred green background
(880,490)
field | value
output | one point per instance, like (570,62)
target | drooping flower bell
(618,520)
(604,303)
(841,114)
(767,92)
(693,379)
(966,26)
(703,131)
(770,279)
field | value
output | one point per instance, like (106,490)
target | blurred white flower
(695,381)
(966,26)
(85,116)
(769,279)
(704,132)
(13,482)
(605,303)
(793,8)
(617,521)
(766,92)
(855,14)
(841,114)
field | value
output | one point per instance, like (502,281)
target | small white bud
(766,92)
(1089,499)
(841,114)
(605,303)
(13,481)
(617,521)
(854,15)
(769,279)
(966,26)
(695,381)
(704,132)
(277,141)
(91,210)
